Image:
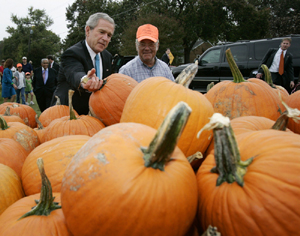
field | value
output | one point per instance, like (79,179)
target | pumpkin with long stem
(152,99)
(32,217)
(10,187)
(107,104)
(250,185)
(72,125)
(136,173)
(240,97)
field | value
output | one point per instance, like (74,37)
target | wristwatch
(84,79)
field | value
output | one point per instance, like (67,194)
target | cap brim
(147,37)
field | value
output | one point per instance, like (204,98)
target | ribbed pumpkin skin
(84,125)
(108,103)
(10,187)
(21,133)
(293,102)
(12,154)
(13,118)
(57,154)
(251,98)
(51,225)
(117,192)
(27,113)
(152,99)
(268,203)
(54,112)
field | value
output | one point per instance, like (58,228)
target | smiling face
(147,51)
(99,37)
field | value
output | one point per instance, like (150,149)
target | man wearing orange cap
(146,64)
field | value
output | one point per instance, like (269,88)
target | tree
(31,38)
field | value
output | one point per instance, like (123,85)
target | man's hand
(93,84)
(258,75)
(292,84)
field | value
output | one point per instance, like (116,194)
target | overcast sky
(55,9)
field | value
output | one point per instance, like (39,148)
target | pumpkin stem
(196,156)
(72,114)
(165,140)
(228,160)
(268,76)
(236,73)
(7,112)
(209,86)
(57,100)
(46,203)
(39,124)
(3,124)
(187,75)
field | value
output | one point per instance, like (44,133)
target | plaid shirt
(137,70)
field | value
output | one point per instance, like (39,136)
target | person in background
(52,63)
(28,89)
(84,65)
(146,64)
(44,84)
(285,76)
(1,69)
(165,57)
(8,87)
(27,67)
(20,81)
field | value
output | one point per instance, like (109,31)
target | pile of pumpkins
(154,158)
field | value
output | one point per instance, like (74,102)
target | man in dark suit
(275,59)
(165,57)
(52,63)
(85,64)
(44,84)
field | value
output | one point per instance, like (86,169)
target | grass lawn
(35,106)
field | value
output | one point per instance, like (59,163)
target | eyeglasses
(149,45)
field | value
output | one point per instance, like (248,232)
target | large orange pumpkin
(293,102)
(57,154)
(27,113)
(152,99)
(244,198)
(107,103)
(137,184)
(252,97)
(35,215)
(11,118)
(12,154)
(10,187)
(54,112)
(23,134)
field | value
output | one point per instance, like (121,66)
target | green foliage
(31,38)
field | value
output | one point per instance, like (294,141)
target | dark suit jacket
(75,63)
(41,89)
(55,66)
(165,58)
(288,74)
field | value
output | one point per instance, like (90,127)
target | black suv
(213,66)
(119,61)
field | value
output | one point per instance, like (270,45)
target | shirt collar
(140,61)
(91,52)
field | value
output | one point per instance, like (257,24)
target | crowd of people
(84,66)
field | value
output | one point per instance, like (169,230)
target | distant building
(199,47)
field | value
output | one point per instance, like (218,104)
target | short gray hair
(44,59)
(93,20)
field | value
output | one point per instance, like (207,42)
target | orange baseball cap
(27,73)
(19,65)
(147,31)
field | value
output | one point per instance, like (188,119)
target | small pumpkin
(11,118)
(32,217)
(107,104)
(10,187)
(27,113)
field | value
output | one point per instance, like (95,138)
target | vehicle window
(213,56)
(239,52)
(261,48)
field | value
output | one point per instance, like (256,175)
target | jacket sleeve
(290,70)
(264,60)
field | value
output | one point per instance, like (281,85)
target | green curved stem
(165,140)
(236,73)
(46,203)
(187,75)
(268,76)
(72,113)
(3,124)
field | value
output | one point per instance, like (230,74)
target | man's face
(147,50)
(99,37)
(24,61)
(45,64)
(168,51)
(285,45)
